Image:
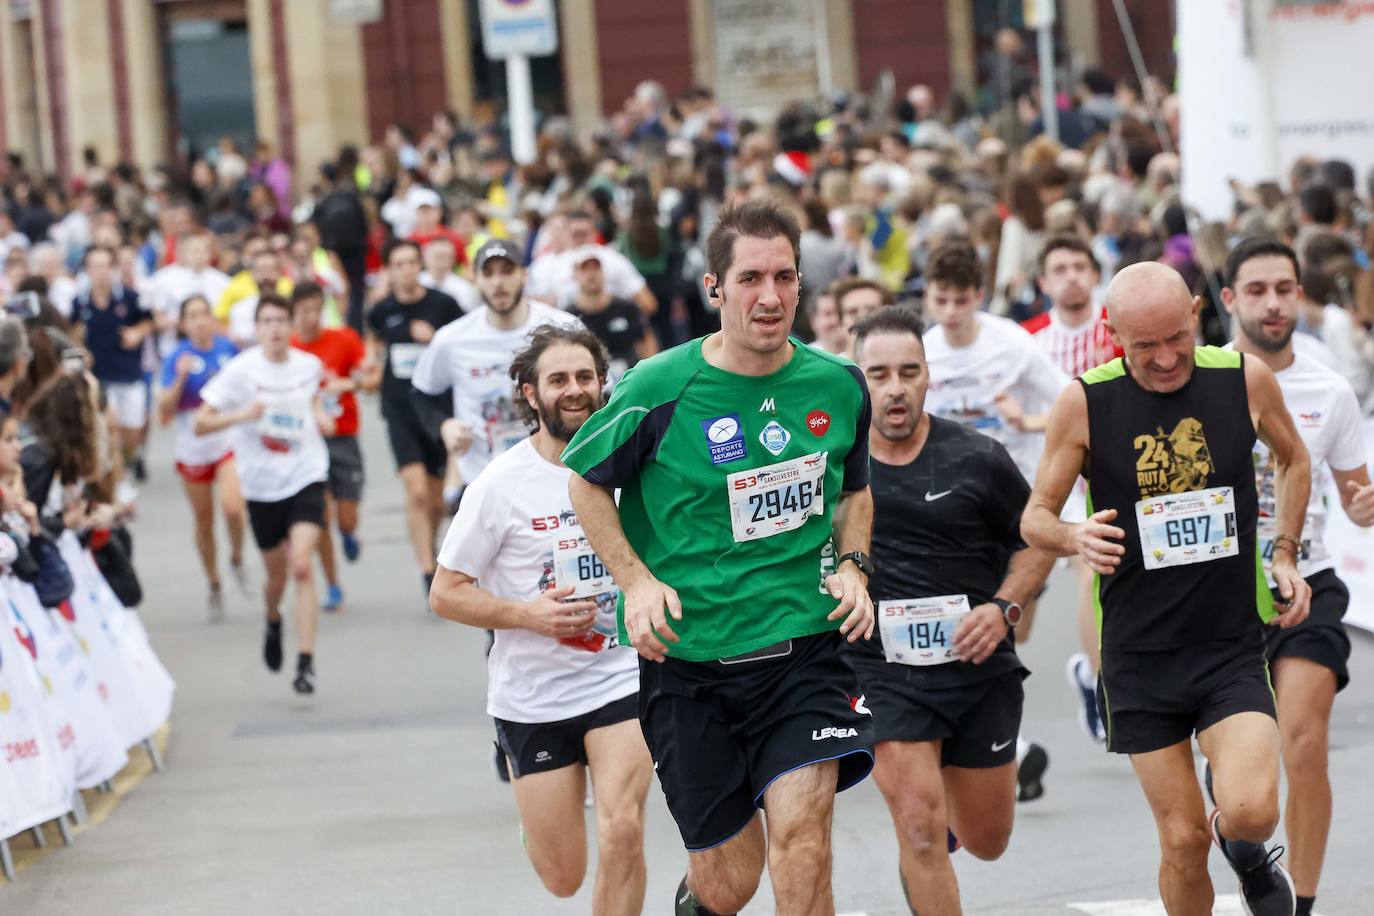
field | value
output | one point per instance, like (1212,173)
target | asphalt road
(376,796)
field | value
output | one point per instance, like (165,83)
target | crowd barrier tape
(79,686)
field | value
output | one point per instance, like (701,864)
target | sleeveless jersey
(1177,469)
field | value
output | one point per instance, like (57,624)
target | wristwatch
(860,559)
(1011,611)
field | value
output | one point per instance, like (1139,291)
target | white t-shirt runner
(1327,416)
(167,289)
(283,452)
(1003,358)
(473,358)
(517,535)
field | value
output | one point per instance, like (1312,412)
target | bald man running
(1163,436)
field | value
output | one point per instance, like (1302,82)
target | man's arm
(455,596)
(1066,451)
(647,600)
(1357,495)
(853,531)
(1292,486)
(983,630)
(211,420)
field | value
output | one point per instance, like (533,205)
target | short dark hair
(1065,243)
(890,319)
(846,285)
(1319,285)
(272,300)
(396,245)
(306,289)
(86,258)
(1257,248)
(1321,247)
(955,264)
(1319,203)
(195,297)
(524,368)
(757,219)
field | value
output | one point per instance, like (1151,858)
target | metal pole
(1141,74)
(520,100)
(1049,101)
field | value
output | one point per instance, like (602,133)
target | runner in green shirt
(739,577)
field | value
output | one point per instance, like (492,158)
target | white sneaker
(239,573)
(216,605)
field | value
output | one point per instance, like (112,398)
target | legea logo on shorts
(820,734)
(724,438)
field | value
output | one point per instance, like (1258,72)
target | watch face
(1012,614)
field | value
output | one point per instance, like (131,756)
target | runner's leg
(908,775)
(621,771)
(800,807)
(551,816)
(275,587)
(202,502)
(231,504)
(419,514)
(1087,613)
(347,515)
(302,543)
(1171,788)
(982,807)
(1306,691)
(1243,750)
(328,561)
(438,508)
(724,878)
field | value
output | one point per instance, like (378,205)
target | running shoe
(305,678)
(240,577)
(351,547)
(140,470)
(216,605)
(498,760)
(271,646)
(1266,889)
(333,597)
(1029,773)
(1079,671)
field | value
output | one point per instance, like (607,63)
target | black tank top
(1144,444)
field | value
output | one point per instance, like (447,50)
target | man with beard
(472,357)
(400,327)
(563,691)
(951,574)
(1074,335)
(1307,662)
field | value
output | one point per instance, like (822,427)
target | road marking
(1226,905)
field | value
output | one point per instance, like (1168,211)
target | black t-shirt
(620,326)
(111,361)
(947,524)
(390,321)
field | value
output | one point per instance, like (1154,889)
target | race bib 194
(777,498)
(1177,529)
(920,631)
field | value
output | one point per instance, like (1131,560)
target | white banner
(1352,547)
(1264,82)
(767,52)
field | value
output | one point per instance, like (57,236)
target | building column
(963,62)
(844,56)
(92,103)
(260,39)
(328,94)
(581,65)
(458,77)
(1080,31)
(703,60)
(147,93)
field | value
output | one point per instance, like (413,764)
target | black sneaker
(1266,889)
(498,760)
(1029,772)
(305,678)
(140,470)
(685,903)
(271,646)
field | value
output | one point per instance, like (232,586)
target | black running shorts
(976,723)
(1321,637)
(411,443)
(720,732)
(545,746)
(1152,700)
(271,521)
(345,468)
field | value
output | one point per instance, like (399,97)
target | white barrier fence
(79,686)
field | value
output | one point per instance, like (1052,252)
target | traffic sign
(518,28)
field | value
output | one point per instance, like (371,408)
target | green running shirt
(728,488)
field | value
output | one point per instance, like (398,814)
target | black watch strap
(860,559)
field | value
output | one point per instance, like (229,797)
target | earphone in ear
(713,293)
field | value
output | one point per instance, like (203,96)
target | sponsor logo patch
(818,422)
(724,438)
(774,437)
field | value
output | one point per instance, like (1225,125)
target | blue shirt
(208,362)
(112,363)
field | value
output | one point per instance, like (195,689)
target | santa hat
(794,166)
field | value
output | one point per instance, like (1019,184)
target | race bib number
(1268,530)
(402,358)
(506,436)
(778,498)
(920,631)
(1177,529)
(282,427)
(576,564)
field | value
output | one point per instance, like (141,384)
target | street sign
(518,28)
(1038,14)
